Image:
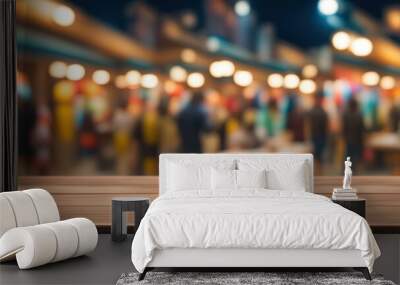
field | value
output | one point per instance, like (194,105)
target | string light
(58,69)
(275,80)
(133,77)
(63,15)
(178,73)
(370,78)
(243,78)
(242,8)
(195,80)
(188,55)
(222,68)
(291,81)
(307,86)
(149,80)
(341,40)
(101,77)
(310,71)
(387,82)
(75,72)
(361,47)
(328,7)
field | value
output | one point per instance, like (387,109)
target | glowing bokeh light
(387,82)
(275,80)
(63,15)
(242,8)
(58,69)
(149,80)
(243,78)
(75,72)
(101,77)
(307,86)
(370,78)
(195,80)
(178,73)
(341,40)
(310,71)
(133,77)
(328,7)
(291,81)
(361,47)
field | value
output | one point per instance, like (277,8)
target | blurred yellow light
(242,8)
(291,81)
(133,77)
(58,69)
(63,15)
(307,86)
(101,77)
(222,68)
(195,80)
(228,68)
(328,7)
(178,73)
(75,72)
(392,17)
(361,47)
(188,55)
(169,86)
(149,80)
(370,78)
(275,80)
(387,82)
(243,78)
(341,40)
(120,81)
(310,71)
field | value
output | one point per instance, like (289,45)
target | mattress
(251,219)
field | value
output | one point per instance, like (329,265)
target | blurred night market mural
(105,87)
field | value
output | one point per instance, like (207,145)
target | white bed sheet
(250,219)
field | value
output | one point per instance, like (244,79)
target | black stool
(120,205)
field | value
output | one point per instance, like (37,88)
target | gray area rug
(269,278)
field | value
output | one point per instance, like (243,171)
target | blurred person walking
(147,133)
(295,119)
(318,128)
(192,122)
(122,125)
(353,132)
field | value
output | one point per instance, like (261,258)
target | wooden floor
(110,259)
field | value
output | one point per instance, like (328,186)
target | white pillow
(188,175)
(223,179)
(283,174)
(251,178)
(183,178)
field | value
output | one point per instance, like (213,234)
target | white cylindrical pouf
(67,240)
(7,218)
(87,234)
(34,246)
(45,205)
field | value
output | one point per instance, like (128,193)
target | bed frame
(242,259)
(246,258)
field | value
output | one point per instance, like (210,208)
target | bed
(246,211)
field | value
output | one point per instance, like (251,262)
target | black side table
(120,205)
(357,206)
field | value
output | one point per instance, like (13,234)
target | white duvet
(250,219)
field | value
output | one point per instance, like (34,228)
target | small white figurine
(347,174)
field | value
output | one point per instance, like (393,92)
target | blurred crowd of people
(136,127)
